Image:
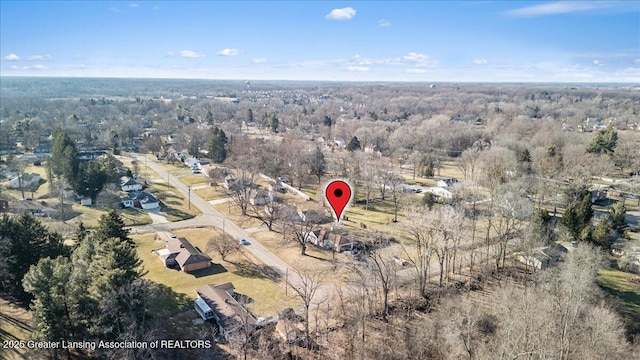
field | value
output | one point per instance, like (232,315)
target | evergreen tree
(524,160)
(209,117)
(571,221)
(28,242)
(249,116)
(604,142)
(90,180)
(116,265)
(48,282)
(64,155)
(327,121)
(217,145)
(112,226)
(585,211)
(354,144)
(603,234)
(618,215)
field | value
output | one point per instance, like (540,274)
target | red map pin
(338,194)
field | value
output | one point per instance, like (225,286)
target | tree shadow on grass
(246,268)
(213,270)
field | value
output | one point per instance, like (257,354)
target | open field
(249,279)
(626,288)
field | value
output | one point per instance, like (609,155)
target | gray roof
(230,313)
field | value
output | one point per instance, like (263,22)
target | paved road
(211,217)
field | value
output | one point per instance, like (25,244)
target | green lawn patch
(626,288)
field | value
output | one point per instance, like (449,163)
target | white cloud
(228,52)
(418,59)
(12,57)
(637,61)
(597,63)
(114,8)
(156,8)
(480,62)
(34,67)
(190,54)
(40,57)
(415,71)
(171,53)
(384,23)
(412,56)
(357,68)
(259,61)
(565,7)
(341,14)
(134,5)
(14,67)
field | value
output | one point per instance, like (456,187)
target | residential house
(24,181)
(129,184)
(544,257)
(86,201)
(441,194)
(260,197)
(218,302)
(338,241)
(179,251)
(32,207)
(140,199)
(232,183)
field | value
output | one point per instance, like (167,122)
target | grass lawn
(211,193)
(173,206)
(15,325)
(315,259)
(235,215)
(248,278)
(194,180)
(626,288)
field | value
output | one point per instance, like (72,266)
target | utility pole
(189,197)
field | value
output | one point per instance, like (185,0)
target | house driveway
(157,217)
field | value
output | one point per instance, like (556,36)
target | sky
(458,41)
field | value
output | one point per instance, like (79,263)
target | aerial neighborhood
(308,180)
(223,224)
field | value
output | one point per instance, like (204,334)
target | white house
(140,199)
(129,184)
(26,180)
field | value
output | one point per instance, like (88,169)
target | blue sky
(521,41)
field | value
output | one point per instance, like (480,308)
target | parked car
(244,242)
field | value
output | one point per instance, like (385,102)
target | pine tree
(218,145)
(354,144)
(618,217)
(112,226)
(28,242)
(48,282)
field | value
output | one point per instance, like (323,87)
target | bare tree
(447,223)
(297,228)
(224,244)
(511,210)
(417,226)
(383,269)
(308,284)
(268,213)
